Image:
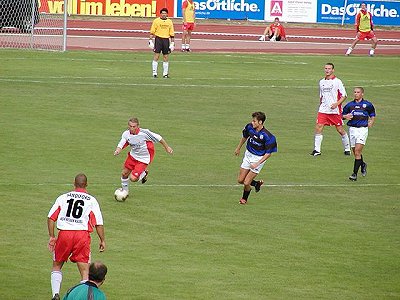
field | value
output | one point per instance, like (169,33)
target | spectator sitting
(275,32)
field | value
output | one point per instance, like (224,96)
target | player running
(259,147)
(141,154)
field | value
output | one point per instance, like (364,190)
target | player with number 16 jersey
(75,214)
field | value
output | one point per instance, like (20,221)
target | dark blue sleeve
(346,109)
(371,110)
(271,146)
(245,132)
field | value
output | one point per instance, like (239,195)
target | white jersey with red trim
(76,210)
(330,91)
(139,143)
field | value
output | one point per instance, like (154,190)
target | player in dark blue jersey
(259,147)
(361,116)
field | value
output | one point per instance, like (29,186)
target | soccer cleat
(154,75)
(242,201)
(166,76)
(258,185)
(315,153)
(347,153)
(144,179)
(364,169)
(188,50)
(183,50)
(353,177)
(56,297)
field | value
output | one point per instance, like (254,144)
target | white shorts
(250,158)
(358,135)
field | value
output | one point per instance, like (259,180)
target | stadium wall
(299,11)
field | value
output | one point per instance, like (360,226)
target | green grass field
(309,234)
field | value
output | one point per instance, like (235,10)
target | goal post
(27,24)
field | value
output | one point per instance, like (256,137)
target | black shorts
(278,38)
(161,45)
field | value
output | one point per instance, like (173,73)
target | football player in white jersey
(332,94)
(141,154)
(75,213)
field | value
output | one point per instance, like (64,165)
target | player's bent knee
(134,178)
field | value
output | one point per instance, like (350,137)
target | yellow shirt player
(364,27)
(189,17)
(162,30)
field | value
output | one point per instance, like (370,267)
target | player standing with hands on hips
(331,94)
(141,154)
(259,147)
(361,116)
(162,30)
(76,213)
(188,16)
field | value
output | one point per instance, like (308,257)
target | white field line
(174,85)
(306,185)
(216,41)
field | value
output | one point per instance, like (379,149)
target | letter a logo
(276,8)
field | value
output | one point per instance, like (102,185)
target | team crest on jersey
(364,105)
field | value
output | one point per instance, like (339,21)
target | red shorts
(136,167)
(72,244)
(365,35)
(188,27)
(329,119)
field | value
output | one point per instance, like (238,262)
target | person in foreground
(162,30)
(76,213)
(361,116)
(275,32)
(331,96)
(141,154)
(89,289)
(365,30)
(259,147)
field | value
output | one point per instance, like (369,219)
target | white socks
(56,278)
(346,142)
(165,68)
(155,67)
(317,142)
(125,184)
(349,51)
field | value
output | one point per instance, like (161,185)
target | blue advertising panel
(227,9)
(383,12)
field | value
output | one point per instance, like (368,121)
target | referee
(162,30)
(361,116)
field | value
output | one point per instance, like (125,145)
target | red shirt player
(364,27)
(75,213)
(275,32)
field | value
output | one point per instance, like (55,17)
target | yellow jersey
(188,11)
(162,28)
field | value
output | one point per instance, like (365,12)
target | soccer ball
(120,195)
